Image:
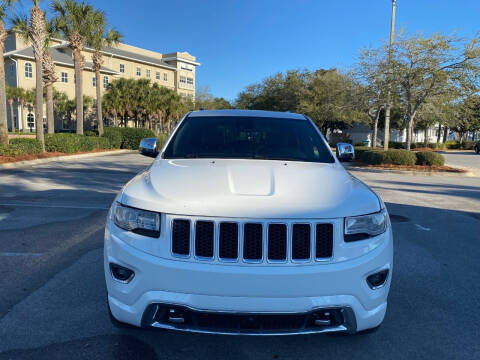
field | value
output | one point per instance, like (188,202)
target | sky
(240,42)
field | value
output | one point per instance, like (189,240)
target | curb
(18,164)
(411,172)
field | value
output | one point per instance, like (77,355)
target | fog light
(121,273)
(378,279)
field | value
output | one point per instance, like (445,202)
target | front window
(183,80)
(237,137)
(139,71)
(189,81)
(28,70)
(148,73)
(165,77)
(64,77)
(105,82)
(122,68)
(157,75)
(94,81)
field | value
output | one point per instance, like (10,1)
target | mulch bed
(423,168)
(16,158)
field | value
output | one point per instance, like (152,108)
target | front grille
(301,242)
(277,242)
(204,239)
(228,240)
(181,237)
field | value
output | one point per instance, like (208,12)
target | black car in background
(477,147)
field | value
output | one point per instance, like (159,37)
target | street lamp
(389,92)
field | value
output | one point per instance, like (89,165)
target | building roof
(137,57)
(247,113)
(59,57)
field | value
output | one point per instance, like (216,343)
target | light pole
(389,91)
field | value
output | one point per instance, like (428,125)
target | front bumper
(247,290)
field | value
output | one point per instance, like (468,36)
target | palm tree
(4,5)
(38,33)
(21,99)
(101,38)
(76,21)
(12,95)
(49,75)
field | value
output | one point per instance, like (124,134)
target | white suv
(247,224)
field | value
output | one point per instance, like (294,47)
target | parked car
(477,147)
(246,223)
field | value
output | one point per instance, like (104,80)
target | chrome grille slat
(267,241)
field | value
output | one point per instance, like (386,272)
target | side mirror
(345,152)
(148,147)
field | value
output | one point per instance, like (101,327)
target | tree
(101,38)
(332,100)
(21,94)
(427,67)
(372,70)
(49,74)
(76,22)
(12,96)
(205,100)
(4,6)
(63,106)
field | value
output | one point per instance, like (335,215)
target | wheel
(118,324)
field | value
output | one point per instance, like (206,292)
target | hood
(249,189)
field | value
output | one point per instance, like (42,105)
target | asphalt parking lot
(52,292)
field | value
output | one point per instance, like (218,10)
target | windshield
(235,137)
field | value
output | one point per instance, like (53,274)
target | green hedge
(465,145)
(396,157)
(21,146)
(73,143)
(127,138)
(429,158)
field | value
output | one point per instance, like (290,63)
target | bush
(91,133)
(114,136)
(21,146)
(430,158)
(372,157)
(396,145)
(395,157)
(73,143)
(359,150)
(161,140)
(133,136)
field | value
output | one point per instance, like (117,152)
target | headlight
(365,226)
(141,222)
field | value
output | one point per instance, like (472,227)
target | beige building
(173,70)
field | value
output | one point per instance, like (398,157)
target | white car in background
(246,223)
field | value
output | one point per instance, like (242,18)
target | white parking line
(62,206)
(19,254)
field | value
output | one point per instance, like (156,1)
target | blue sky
(239,42)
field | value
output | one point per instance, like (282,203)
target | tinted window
(247,138)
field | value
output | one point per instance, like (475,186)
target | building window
(139,71)
(12,69)
(30,120)
(189,81)
(105,82)
(64,77)
(28,70)
(148,73)
(122,68)
(94,81)
(165,78)
(157,75)
(183,79)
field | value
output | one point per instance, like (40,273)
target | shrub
(430,158)
(91,133)
(395,157)
(29,146)
(373,157)
(359,150)
(21,146)
(133,136)
(73,143)
(396,145)
(114,136)
(161,140)
(452,144)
